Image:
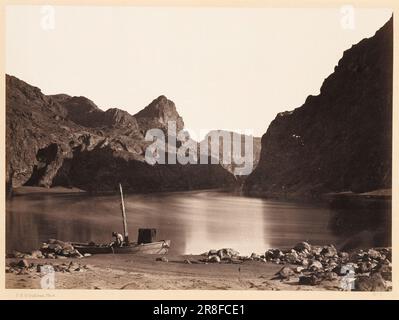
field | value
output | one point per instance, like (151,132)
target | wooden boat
(147,246)
(158,247)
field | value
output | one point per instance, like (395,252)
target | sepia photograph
(194,147)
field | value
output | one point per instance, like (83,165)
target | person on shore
(118,239)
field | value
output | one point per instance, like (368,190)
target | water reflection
(362,222)
(194,221)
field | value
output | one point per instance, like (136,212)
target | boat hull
(159,247)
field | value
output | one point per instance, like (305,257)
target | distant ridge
(59,140)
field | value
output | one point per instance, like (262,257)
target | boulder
(332,265)
(364,267)
(330,276)
(310,280)
(329,251)
(299,269)
(54,247)
(374,254)
(163,259)
(285,273)
(255,256)
(385,270)
(37,254)
(215,259)
(305,262)
(315,265)
(292,257)
(344,256)
(227,252)
(23,263)
(273,254)
(387,252)
(227,259)
(374,282)
(316,250)
(44,245)
(302,246)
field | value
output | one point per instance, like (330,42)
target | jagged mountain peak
(157,114)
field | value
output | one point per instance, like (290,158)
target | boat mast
(125,232)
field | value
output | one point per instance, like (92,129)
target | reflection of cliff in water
(363,222)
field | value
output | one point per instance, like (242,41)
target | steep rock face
(216,149)
(69,141)
(157,114)
(340,140)
(34,122)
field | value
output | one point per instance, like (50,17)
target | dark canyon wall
(340,140)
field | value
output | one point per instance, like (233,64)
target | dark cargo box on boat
(146,235)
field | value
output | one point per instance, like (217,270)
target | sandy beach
(144,272)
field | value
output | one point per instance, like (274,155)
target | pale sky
(225,68)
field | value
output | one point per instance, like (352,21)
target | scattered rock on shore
(214,258)
(310,280)
(24,267)
(162,259)
(303,246)
(370,268)
(285,273)
(374,282)
(226,255)
(52,249)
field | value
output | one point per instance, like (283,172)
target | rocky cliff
(340,140)
(59,140)
(157,114)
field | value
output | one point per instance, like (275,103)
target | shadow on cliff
(102,169)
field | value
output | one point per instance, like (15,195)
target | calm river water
(194,221)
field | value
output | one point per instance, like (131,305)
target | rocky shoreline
(362,270)
(304,265)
